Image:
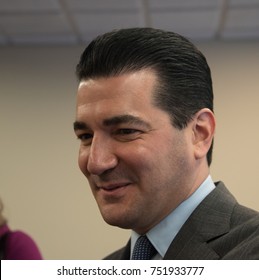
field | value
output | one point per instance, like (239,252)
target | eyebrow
(116,120)
(125,119)
(80,126)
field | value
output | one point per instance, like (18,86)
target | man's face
(138,165)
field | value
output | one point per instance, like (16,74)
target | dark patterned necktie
(143,249)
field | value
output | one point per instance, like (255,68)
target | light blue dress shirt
(162,235)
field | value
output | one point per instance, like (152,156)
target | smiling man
(145,123)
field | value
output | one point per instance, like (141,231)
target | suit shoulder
(244,216)
(242,240)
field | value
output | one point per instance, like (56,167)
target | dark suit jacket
(219,228)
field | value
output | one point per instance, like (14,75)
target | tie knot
(143,249)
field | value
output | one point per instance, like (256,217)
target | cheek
(137,155)
(82,161)
(164,159)
(143,162)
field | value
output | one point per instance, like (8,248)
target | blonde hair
(2,218)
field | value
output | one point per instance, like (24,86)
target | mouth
(113,187)
(114,191)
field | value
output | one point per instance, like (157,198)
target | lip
(114,186)
(114,190)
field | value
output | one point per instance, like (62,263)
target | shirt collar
(162,235)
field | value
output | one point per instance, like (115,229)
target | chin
(117,221)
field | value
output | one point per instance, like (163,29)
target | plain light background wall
(41,186)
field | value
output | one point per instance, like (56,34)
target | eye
(126,134)
(127,131)
(85,138)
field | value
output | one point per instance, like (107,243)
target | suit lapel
(209,221)
(121,254)
(125,253)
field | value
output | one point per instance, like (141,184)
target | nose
(101,156)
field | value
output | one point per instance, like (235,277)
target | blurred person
(16,245)
(146,126)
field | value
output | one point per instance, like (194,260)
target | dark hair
(184,78)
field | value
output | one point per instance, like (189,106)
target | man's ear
(203,129)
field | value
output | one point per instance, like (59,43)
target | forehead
(131,82)
(116,95)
